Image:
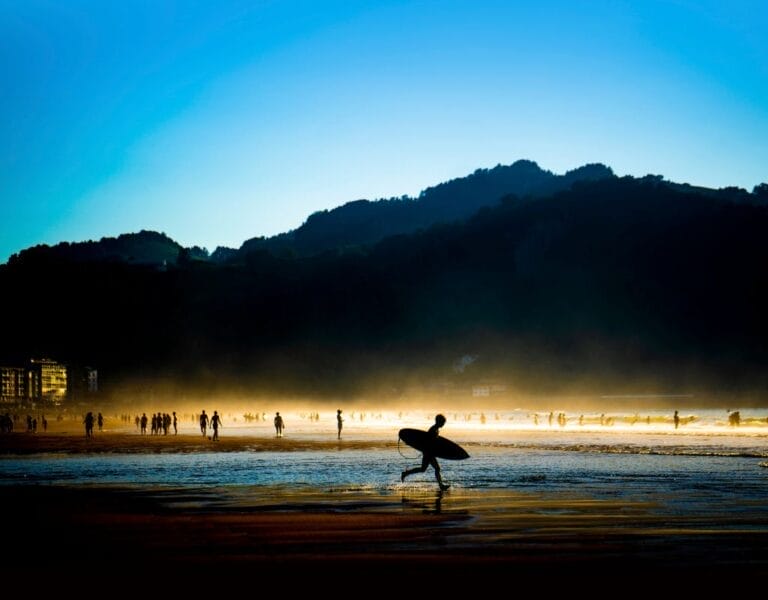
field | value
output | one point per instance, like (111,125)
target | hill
(143,248)
(364,222)
(616,283)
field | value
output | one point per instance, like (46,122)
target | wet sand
(325,538)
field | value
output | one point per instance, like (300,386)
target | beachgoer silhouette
(144,420)
(215,422)
(101,422)
(339,422)
(203,422)
(175,424)
(279,425)
(427,457)
(88,425)
(677,420)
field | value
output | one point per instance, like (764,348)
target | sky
(216,122)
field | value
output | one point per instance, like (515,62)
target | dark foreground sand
(329,540)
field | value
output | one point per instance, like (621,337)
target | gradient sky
(218,121)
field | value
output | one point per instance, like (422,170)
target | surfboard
(440,447)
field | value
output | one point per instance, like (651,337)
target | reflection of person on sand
(427,458)
(279,425)
(339,422)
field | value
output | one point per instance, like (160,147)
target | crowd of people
(164,423)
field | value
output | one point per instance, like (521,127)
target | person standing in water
(428,458)
(279,425)
(339,422)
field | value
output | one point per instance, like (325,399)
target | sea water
(705,465)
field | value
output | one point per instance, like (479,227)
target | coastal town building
(13,389)
(83,383)
(487,390)
(47,381)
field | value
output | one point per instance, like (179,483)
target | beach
(311,533)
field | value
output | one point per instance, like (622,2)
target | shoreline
(134,443)
(462,536)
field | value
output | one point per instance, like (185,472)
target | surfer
(427,457)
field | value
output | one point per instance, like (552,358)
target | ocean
(704,466)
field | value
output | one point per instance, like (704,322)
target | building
(47,381)
(83,383)
(488,390)
(13,389)
(92,377)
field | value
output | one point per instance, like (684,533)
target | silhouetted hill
(143,248)
(364,222)
(618,284)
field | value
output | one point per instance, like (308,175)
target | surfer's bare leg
(438,476)
(425,462)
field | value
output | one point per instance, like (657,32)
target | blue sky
(218,121)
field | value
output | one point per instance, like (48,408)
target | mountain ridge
(610,283)
(363,222)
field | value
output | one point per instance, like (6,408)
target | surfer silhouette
(428,458)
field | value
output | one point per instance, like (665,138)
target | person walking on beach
(88,425)
(175,424)
(428,458)
(339,422)
(215,422)
(677,420)
(203,422)
(279,425)
(101,422)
